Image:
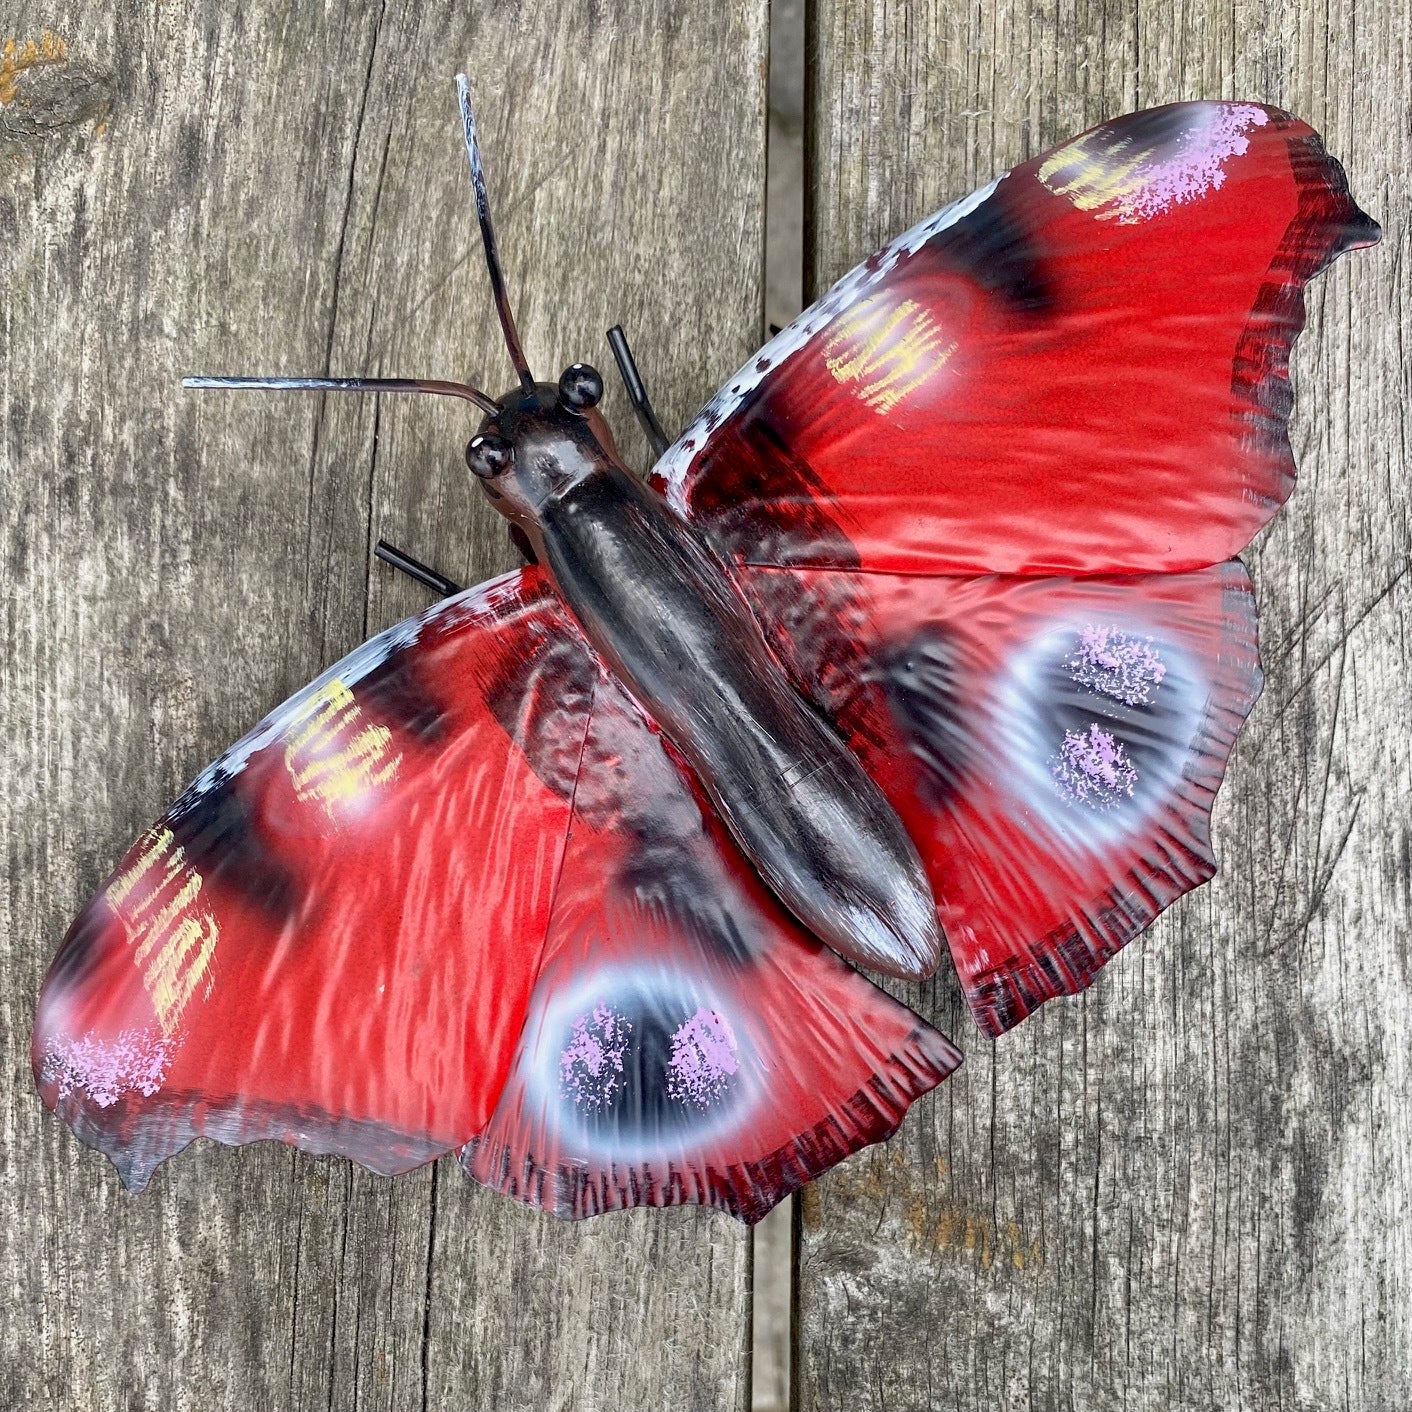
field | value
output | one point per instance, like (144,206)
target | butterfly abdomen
(665,616)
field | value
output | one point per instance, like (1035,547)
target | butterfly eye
(488,455)
(580,387)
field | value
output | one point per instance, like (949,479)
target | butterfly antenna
(487,231)
(636,389)
(488,405)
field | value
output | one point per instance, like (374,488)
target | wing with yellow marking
(335,754)
(884,353)
(331,937)
(1082,368)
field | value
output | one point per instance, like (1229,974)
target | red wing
(1082,368)
(686,1041)
(332,935)
(1054,746)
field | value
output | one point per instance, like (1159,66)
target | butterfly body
(663,613)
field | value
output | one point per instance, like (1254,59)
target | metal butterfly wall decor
(927,630)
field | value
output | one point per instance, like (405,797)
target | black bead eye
(489,455)
(580,387)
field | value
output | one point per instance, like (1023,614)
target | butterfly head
(541,441)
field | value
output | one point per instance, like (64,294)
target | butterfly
(927,632)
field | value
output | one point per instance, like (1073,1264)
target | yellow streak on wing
(172,910)
(163,927)
(864,358)
(172,978)
(323,716)
(331,761)
(1092,174)
(158,841)
(884,394)
(887,355)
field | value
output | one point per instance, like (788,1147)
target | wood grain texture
(279,187)
(1189,1188)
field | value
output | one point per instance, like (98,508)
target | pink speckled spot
(1092,768)
(591,1065)
(703,1059)
(1113,663)
(136,1061)
(1198,164)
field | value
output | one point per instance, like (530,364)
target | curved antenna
(441,389)
(487,232)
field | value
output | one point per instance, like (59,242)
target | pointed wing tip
(1361,232)
(135,1176)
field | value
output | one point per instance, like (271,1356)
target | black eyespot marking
(639,1069)
(1113,717)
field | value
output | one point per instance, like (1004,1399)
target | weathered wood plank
(279,187)
(1188,1189)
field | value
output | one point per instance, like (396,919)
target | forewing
(1054,746)
(332,935)
(686,1040)
(1082,368)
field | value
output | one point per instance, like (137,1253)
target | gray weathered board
(1187,1190)
(1191,1188)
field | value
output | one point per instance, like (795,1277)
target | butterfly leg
(414,568)
(636,390)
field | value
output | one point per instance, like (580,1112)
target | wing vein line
(564,846)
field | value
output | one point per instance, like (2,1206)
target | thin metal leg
(637,392)
(521,541)
(414,568)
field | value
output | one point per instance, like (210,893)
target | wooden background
(1189,1189)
